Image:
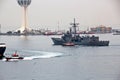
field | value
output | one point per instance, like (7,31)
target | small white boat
(116,33)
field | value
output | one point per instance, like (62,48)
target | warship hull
(59,41)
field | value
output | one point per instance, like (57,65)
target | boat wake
(44,55)
(38,55)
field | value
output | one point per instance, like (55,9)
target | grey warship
(76,39)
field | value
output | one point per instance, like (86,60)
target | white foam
(11,60)
(45,55)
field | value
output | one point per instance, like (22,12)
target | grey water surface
(74,63)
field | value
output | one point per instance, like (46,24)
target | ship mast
(74,25)
(58,26)
(0,28)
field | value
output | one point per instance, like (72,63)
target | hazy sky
(47,13)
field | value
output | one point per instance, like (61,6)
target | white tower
(24,4)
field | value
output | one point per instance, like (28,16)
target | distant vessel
(76,39)
(116,33)
(2,50)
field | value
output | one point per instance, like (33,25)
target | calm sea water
(58,62)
